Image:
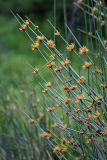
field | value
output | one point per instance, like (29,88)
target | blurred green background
(15,47)
(16,74)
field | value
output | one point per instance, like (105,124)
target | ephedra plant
(74,95)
